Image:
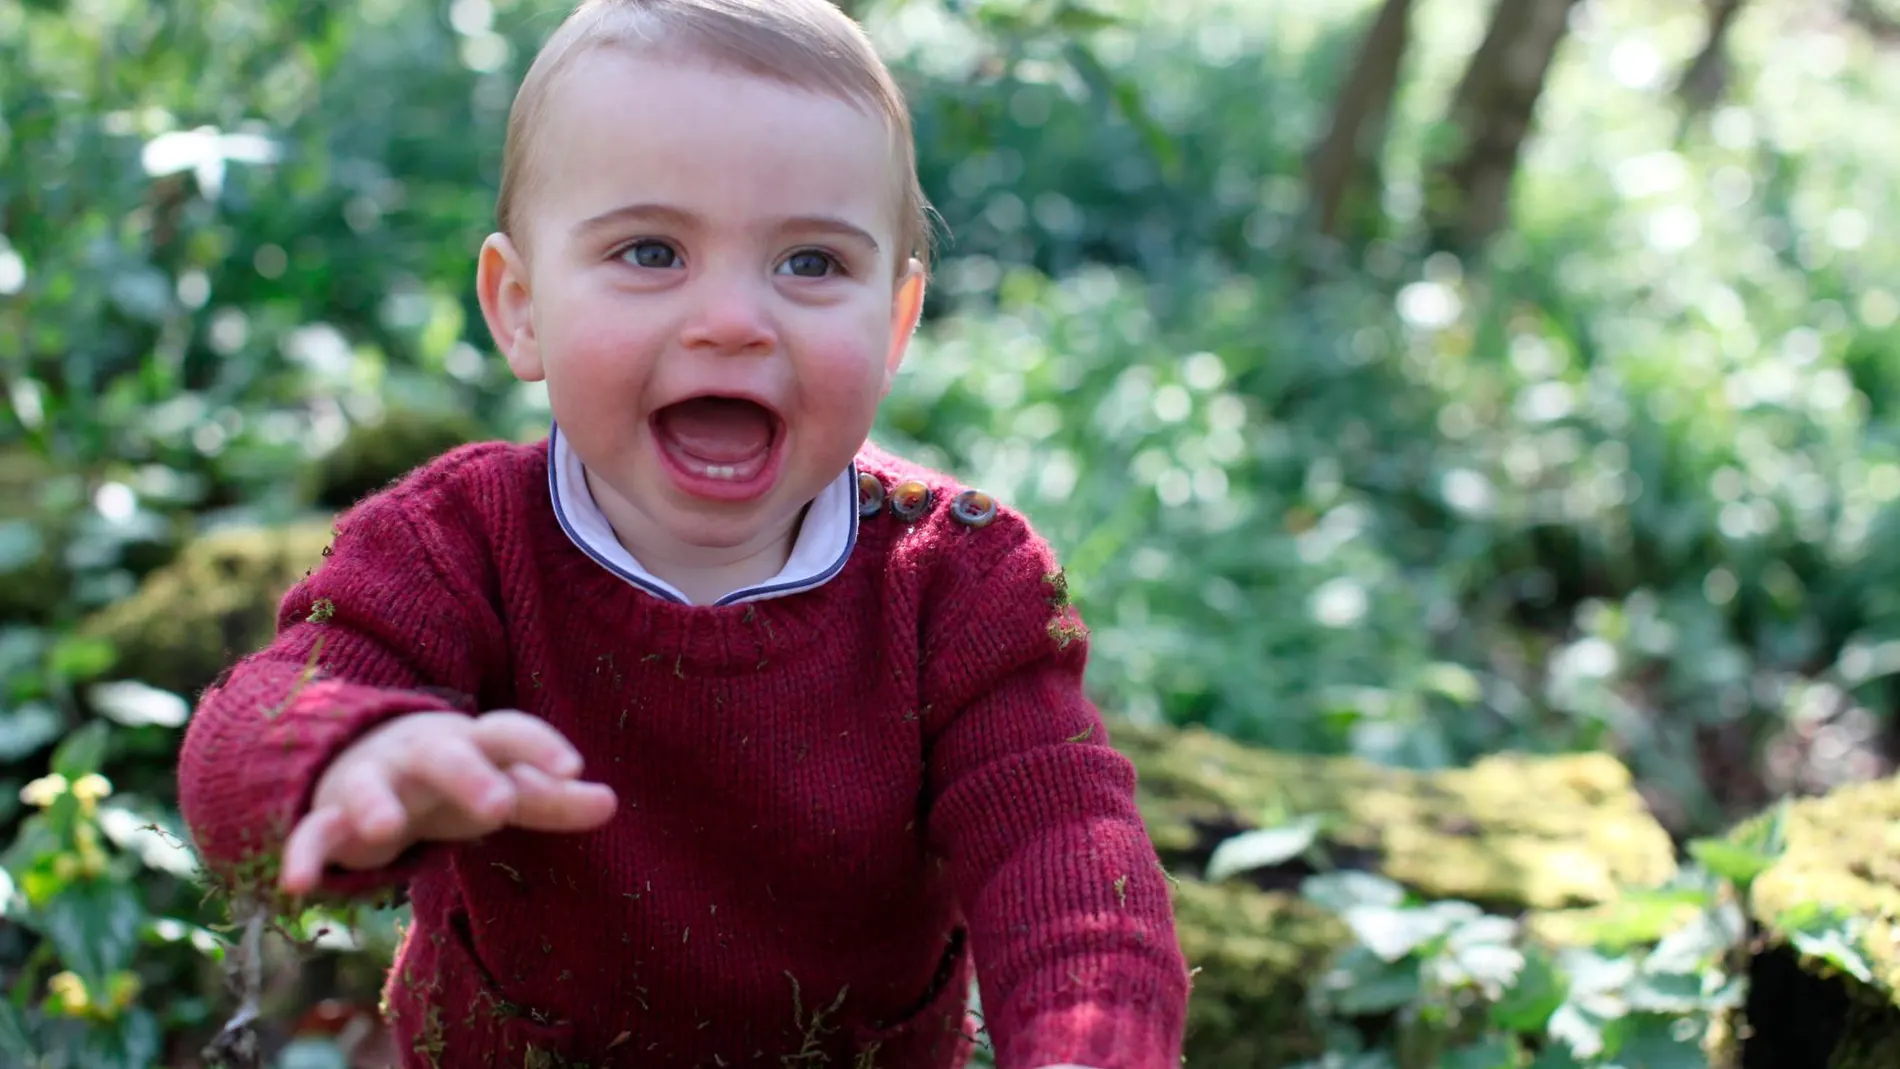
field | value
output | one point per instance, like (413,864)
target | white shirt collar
(825,538)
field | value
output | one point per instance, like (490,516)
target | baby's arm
(393,621)
(1071,925)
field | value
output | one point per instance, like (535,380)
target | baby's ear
(907,309)
(501,284)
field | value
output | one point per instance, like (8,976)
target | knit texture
(833,806)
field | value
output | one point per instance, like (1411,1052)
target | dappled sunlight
(1483,521)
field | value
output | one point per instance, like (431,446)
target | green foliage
(77,876)
(1446,983)
(1631,484)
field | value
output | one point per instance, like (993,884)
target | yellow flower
(70,990)
(44,791)
(90,788)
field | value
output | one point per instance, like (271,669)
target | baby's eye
(810,264)
(650,254)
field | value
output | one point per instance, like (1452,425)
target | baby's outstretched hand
(440,776)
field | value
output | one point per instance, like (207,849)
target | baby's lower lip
(738,481)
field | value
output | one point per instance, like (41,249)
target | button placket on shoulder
(870,495)
(973,508)
(910,500)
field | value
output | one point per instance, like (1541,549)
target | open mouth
(720,446)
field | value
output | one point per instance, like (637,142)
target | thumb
(317,838)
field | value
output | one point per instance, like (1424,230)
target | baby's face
(712,292)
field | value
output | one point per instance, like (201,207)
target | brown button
(973,508)
(870,495)
(910,500)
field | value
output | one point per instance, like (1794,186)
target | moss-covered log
(1551,839)
(375,454)
(1516,834)
(215,602)
(1827,983)
(1543,832)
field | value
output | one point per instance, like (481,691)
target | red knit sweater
(833,805)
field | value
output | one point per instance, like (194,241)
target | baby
(702,732)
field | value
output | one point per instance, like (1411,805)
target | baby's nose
(731,318)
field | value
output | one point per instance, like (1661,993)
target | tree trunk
(1467,195)
(1705,80)
(1346,161)
(1875,22)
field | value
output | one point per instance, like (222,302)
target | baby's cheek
(844,377)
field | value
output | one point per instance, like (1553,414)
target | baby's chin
(762,522)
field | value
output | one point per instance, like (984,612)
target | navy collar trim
(789,581)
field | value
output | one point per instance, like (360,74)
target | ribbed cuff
(245,785)
(1098,1035)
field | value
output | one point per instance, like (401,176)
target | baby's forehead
(798,48)
(620,112)
(597,63)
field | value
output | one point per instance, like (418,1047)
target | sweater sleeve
(1070,919)
(382,627)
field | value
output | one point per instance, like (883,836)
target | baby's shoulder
(456,508)
(463,479)
(939,529)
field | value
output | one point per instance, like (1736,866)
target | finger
(546,804)
(315,839)
(510,737)
(456,770)
(370,802)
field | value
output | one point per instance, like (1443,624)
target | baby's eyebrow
(829,224)
(628,213)
(669,215)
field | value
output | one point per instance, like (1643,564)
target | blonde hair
(808,44)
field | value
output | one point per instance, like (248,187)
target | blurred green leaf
(1556,1056)
(1261,848)
(1731,861)
(1491,1052)
(20,545)
(1701,943)
(1666,993)
(1073,17)
(1537,991)
(136,704)
(27,729)
(20,650)
(133,1041)
(1340,891)
(1579,1030)
(15,1039)
(1362,983)
(1661,1042)
(76,658)
(1831,936)
(94,924)
(1392,933)
(83,752)
(1454,681)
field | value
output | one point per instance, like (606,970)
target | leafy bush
(1630,484)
